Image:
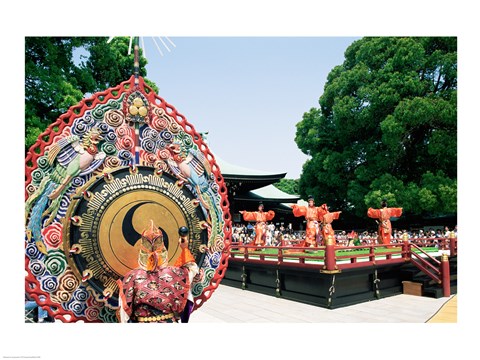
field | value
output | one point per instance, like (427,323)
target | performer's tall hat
(153,252)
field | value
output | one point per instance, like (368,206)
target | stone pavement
(232,305)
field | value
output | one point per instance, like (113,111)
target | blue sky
(247,92)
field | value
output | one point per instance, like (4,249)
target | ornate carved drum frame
(147,162)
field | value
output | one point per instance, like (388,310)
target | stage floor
(447,313)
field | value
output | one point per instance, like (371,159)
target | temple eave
(260,198)
(255,178)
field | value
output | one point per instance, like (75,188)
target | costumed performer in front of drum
(155,291)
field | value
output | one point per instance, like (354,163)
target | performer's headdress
(310,197)
(384,203)
(260,204)
(153,252)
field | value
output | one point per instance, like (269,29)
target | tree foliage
(57,77)
(290,186)
(386,128)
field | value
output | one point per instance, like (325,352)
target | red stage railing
(283,255)
(333,262)
(427,267)
(391,254)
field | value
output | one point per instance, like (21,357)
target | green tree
(56,79)
(386,128)
(290,186)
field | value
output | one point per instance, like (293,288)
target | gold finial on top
(329,240)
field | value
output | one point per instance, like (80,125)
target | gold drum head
(115,215)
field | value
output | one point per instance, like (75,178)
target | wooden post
(453,244)
(280,256)
(330,266)
(371,254)
(445,269)
(405,247)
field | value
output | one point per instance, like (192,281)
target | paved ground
(232,305)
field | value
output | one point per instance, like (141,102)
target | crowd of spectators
(274,234)
(277,235)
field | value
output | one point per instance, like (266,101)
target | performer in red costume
(261,218)
(312,214)
(155,291)
(384,225)
(326,220)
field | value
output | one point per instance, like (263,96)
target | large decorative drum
(95,178)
